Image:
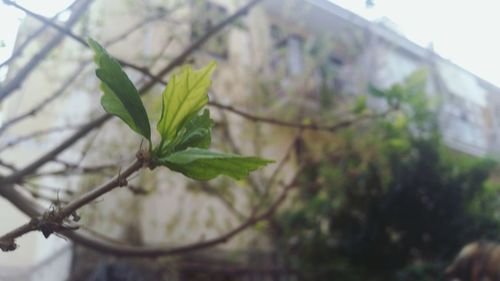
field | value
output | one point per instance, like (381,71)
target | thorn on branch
(52,222)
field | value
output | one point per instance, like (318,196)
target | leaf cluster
(184,129)
(387,196)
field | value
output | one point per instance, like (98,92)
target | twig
(37,108)
(67,32)
(48,188)
(11,167)
(154,251)
(19,50)
(39,195)
(52,220)
(71,79)
(9,87)
(304,126)
(74,170)
(36,134)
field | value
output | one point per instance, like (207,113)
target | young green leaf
(195,132)
(120,95)
(202,164)
(184,96)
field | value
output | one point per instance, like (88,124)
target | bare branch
(20,49)
(11,167)
(304,126)
(72,78)
(25,71)
(52,220)
(67,31)
(153,251)
(36,134)
(75,170)
(37,108)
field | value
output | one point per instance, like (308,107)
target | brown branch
(37,108)
(9,87)
(39,195)
(200,41)
(20,49)
(303,126)
(7,241)
(48,188)
(47,157)
(72,78)
(227,135)
(65,31)
(153,251)
(33,209)
(9,166)
(280,167)
(74,170)
(52,220)
(117,181)
(36,134)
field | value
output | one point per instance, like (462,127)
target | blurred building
(276,38)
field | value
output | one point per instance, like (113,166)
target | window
(288,51)
(205,15)
(294,55)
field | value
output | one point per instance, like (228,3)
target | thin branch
(67,32)
(210,190)
(72,78)
(36,134)
(227,135)
(52,221)
(19,50)
(37,108)
(303,126)
(21,75)
(48,188)
(9,166)
(280,166)
(75,170)
(200,41)
(154,251)
(39,195)
(7,240)
(33,209)
(117,181)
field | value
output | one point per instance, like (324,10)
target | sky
(10,18)
(463,31)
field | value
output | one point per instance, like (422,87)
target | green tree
(391,198)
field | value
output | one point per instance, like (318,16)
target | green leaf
(184,96)
(202,164)
(196,132)
(120,98)
(360,105)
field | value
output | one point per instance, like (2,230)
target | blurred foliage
(388,201)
